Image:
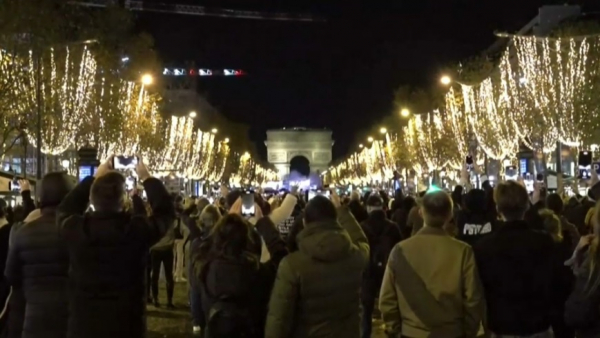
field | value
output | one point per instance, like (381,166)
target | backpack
(228,319)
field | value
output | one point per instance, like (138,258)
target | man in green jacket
(316,293)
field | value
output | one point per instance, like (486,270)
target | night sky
(340,74)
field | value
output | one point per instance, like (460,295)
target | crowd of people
(86,260)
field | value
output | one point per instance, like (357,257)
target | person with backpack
(233,283)
(382,235)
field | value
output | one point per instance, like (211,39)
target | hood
(324,241)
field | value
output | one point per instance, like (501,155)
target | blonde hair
(593,253)
(552,224)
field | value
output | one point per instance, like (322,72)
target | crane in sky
(200,10)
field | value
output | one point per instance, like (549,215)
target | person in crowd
(316,293)
(276,216)
(473,220)
(414,220)
(382,235)
(233,283)
(14,310)
(578,215)
(517,269)
(108,251)
(400,216)
(581,308)
(563,279)
(431,287)
(356,208)
(570,233)
(38,263)
(457,197)
(397,203)
(162,254)
(200,226)
(181,237)
(5,229)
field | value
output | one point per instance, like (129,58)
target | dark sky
(340,74)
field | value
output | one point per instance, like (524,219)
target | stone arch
(285,144)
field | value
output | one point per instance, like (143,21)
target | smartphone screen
(130,183)
(511,172)
(311,194)
(124,162)
(14,185)
(86,171)
(248,204)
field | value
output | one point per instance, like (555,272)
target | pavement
(163,323)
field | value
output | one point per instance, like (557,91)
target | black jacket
(383,235)
(472,227)
(108,254)
(247,283)
(38,263)
(582,306)
(358,211)
(517,272)
(16,303)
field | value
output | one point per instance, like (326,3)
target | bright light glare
(383,130)
(147,79)
(214,130)
(226,140)
(360,146)
(523,80)
(446,80)
(125,59)
(193,114)
(66,164)
(405,112)
(370,139)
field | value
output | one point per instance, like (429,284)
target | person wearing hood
(382,235)
(474,220)
(38,263)
(316,293)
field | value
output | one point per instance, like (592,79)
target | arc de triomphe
(285,144)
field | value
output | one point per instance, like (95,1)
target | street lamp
(446,80)
(193,114)
(383,130)
(370,139)
(147,79)
(405,112)
(214,130)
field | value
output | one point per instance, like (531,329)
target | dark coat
(246,282)
(38,263)
(382,235)
(16,303)
(471,227)
(109,255)
(358,211)
(517,271)
(581,307)
(316,293)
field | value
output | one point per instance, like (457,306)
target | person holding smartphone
(108,251)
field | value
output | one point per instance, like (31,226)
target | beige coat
(431,288)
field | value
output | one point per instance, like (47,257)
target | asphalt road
(163,323)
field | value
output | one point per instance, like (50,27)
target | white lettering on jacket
(477,229)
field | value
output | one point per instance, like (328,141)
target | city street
(163,323)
